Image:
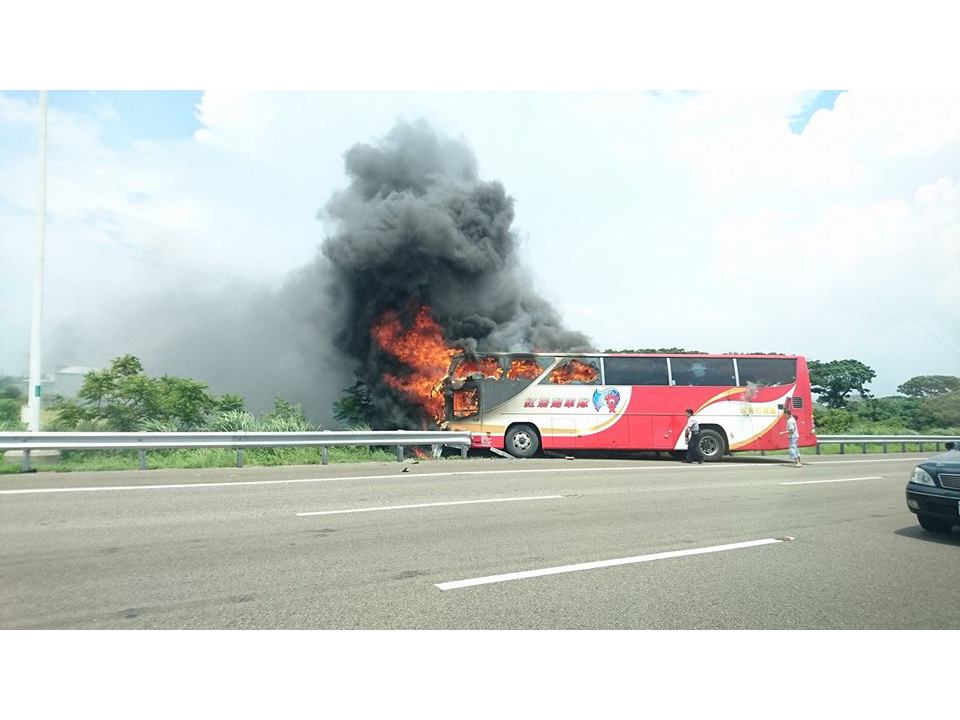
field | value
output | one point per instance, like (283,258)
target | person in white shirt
(692,434)
(793,434)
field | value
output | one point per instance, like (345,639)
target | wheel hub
(708,446)
(521,441)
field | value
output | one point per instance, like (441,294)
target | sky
(821,223)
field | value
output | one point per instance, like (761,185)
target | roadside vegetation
(11,400)
(122,398)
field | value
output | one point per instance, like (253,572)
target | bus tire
(713,445)
(522,441)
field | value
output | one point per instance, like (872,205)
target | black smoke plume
(416,226)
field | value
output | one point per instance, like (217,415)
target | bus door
(468,384)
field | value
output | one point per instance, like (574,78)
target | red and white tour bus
(599,401)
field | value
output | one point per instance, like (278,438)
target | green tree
(285,417)
(944,409)
(124,398)
(354,407)
(929,385)
(833,421)
(186,402)
(10,389)
(231,403)
(905,411)
(9,411)
(833,381)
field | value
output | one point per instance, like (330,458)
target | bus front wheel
(522,441)
(712,445)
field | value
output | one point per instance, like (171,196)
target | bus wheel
(522,441)
(712,445)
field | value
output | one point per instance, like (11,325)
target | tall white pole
(35,328)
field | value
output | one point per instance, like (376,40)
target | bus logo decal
(609,397)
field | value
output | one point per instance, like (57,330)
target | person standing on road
(692,435)
(793,435)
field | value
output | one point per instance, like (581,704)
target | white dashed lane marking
(817,482)
(602,564)
(424,505)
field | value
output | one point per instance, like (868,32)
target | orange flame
(422,350)
(522,369)
(489,367)
(465,403)
(575,372)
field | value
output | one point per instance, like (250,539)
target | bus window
(702,371)
(635,371)
(527,368)
(576,371)
(488,366)
(767,371)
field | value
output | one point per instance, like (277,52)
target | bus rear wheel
(522,441)
(712,445)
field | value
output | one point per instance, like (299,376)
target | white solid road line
(423,505)
(851,462)
(391,476)
(816,482)
(408,476)
(601,563)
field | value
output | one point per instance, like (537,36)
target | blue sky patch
(824,100)
(131,114)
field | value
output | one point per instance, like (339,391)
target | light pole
(37,322)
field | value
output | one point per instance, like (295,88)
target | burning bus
(522,403)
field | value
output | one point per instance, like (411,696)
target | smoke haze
(414,227)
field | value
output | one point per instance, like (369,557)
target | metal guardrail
(325,439)
(144,441)
(885,441)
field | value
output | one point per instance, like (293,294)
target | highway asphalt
(439,544)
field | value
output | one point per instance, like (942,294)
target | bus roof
(602,354)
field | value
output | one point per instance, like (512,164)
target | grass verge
(87,460)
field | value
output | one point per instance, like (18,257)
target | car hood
(944,462)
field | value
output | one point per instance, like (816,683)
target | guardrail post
(885,447)
(399,453)
(842,451)
(326,455)
(143,459)
(863,446)
(26,461)
(463,452)
(921,447)
(938,447)
(240,457)
(818,448)
(903,447)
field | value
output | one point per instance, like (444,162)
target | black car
(933,491)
